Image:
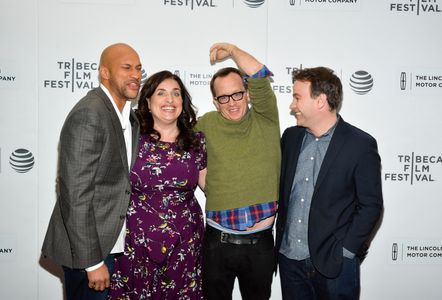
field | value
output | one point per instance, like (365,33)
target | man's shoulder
(357,133)
(91,107)
(207,117)
(293,130)
(93,98)
(291,137)
(93,102)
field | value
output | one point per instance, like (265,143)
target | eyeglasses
(223,99)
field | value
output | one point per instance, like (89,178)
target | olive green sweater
(243,156)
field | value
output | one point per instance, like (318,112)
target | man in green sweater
(243,148)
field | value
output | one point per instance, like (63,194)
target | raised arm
(245,62)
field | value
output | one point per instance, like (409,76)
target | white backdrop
(49,52)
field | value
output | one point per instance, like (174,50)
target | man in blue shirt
(330,193)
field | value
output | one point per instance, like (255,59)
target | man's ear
(321,101)
(104,73)
(216,103)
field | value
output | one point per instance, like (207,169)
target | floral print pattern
(162,258)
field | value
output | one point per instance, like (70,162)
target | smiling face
(166,103)
(228,85)
(120,72)
(303,105)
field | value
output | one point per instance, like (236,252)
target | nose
(231,101)
(293,104)
(136,74)
(169,97)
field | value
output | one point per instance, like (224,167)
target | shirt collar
(124,114)
(329,132)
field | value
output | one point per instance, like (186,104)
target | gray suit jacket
(93,184)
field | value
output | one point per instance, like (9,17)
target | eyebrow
(129,65)
(174,89)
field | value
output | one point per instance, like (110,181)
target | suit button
(122,217)
(127,192)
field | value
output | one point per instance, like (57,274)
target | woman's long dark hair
(186,139)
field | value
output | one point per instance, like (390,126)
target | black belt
(237,239)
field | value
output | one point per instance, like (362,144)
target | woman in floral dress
(162,257)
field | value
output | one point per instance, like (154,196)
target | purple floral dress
(162,257)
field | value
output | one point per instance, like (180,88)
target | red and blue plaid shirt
(243,217)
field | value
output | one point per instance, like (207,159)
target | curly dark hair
(323,81)
(186,139)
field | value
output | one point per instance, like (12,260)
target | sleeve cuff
(93,268)
(264,72)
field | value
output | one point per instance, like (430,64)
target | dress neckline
(159,142)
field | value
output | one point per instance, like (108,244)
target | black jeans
(253,265)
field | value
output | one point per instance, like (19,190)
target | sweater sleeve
(263,98)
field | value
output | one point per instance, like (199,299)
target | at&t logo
(254,3)
(21,160)
(143,76)
(361,82)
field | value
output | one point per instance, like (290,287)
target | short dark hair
(223,73)
(323,81)
(186,139)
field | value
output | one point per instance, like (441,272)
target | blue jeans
(76,283)
(301,281)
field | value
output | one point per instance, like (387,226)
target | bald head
(120,72)
(114,51)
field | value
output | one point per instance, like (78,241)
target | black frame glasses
(237,96)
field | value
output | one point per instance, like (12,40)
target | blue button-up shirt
(294,243)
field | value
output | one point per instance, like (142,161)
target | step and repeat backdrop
(388,54)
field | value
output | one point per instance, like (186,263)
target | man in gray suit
(98,144)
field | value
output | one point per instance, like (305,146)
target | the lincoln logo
(394,251)
(403,81)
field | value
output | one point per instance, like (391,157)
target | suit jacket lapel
(334,147)
(116,126)
(293,147)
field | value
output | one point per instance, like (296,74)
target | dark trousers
(76,283)
(252,264)
(301,281)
